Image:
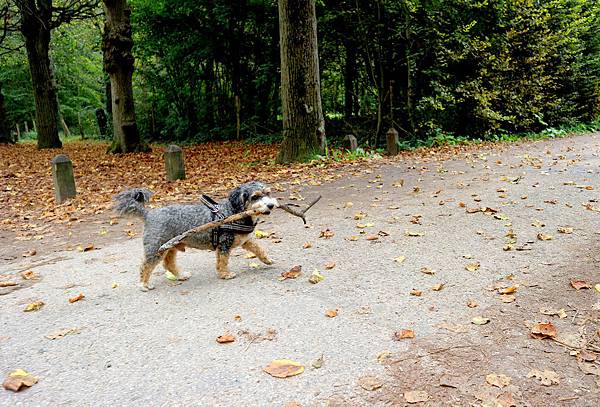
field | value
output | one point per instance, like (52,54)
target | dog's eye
(254,198)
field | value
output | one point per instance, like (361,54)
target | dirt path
(159,348)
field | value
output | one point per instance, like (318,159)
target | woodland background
(435,70)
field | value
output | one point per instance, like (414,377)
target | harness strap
(236,227)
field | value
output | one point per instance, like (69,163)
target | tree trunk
(303,122)
(35,28)
(4,127)
(118,63)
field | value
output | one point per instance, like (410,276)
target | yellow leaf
(597,287)
(480,320)
(508,290)
(473,266)
(169,276)
(544,236)
(34,306)
(260,234)
(400,259)
(284,368)
(316,277)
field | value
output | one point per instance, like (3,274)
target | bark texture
(118,63)
(303,123)
(35,28)
(4,127)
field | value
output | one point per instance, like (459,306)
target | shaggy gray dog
(163,224)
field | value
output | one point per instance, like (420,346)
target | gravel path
(159,348)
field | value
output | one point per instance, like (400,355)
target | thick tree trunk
(118,63)
(303,122)
(35,27)
(4,127)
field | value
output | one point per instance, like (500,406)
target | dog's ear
(238,199)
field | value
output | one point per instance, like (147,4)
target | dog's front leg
(255,249)
(223,265)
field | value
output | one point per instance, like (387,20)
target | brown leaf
(546,377)
(416,293)
(372,237)
(8,283)
(327,234)
(284,368)
(427,270)
(86,248)
(29,275)
(508,290)
(225,338)
(29,253)
(567,230)
(293,273)
(544,236)
(473,266)
(307,245)
(472,304)
(62,333)
(330,265)
(370,383)
(404,334)
(438,287)
(543,331)
(76,298)
(498,380)
(18,379)
(580,284)
(331,313)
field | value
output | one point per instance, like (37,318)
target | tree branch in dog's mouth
(178,240)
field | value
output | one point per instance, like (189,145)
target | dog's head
(253,195)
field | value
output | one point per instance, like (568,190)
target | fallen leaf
(587,356)
(580,284)
(479,320)
(427,270)
(372,237)
(284,368)
(76,298)
(29,253)
(400,259)
(237,318)
(438,287)
(542,331)
(330,265)
(34,306)
(382,357)
(359,215)
(8,284)
(597,287)
(404,334)
(473,266)
(549,311)
(508,290)
(316,277)
(472,304)
(293,273)
(317,363)
(370,383)
(327,234)
(544,236)
(546,377)
(507,299)
(225,338)
(29,275)
(352,238)
(416,396)
(17,379)
(260,234)
(331,313)
(498,380)
(416,293)
(170,276)
(307,245)
(87,248)
(567,230)
(413,233)
(253,265)
(62,333)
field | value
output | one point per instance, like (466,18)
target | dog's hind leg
(146,271)
(255,249)
(223,265)
(169,264)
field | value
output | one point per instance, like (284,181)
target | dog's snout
(270,206)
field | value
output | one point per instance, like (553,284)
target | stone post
(62,175)
(350,142)
(392,141)
(174,164)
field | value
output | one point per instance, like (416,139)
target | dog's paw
(184,275)
(227,276)
(146,287)
(267,260)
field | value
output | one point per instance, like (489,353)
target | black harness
(244,226)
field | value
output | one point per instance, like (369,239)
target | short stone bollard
(174,164)
(392,141)
(350,142)
(62,176)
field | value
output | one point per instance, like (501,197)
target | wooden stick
(238,216)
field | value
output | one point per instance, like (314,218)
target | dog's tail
(131,202)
